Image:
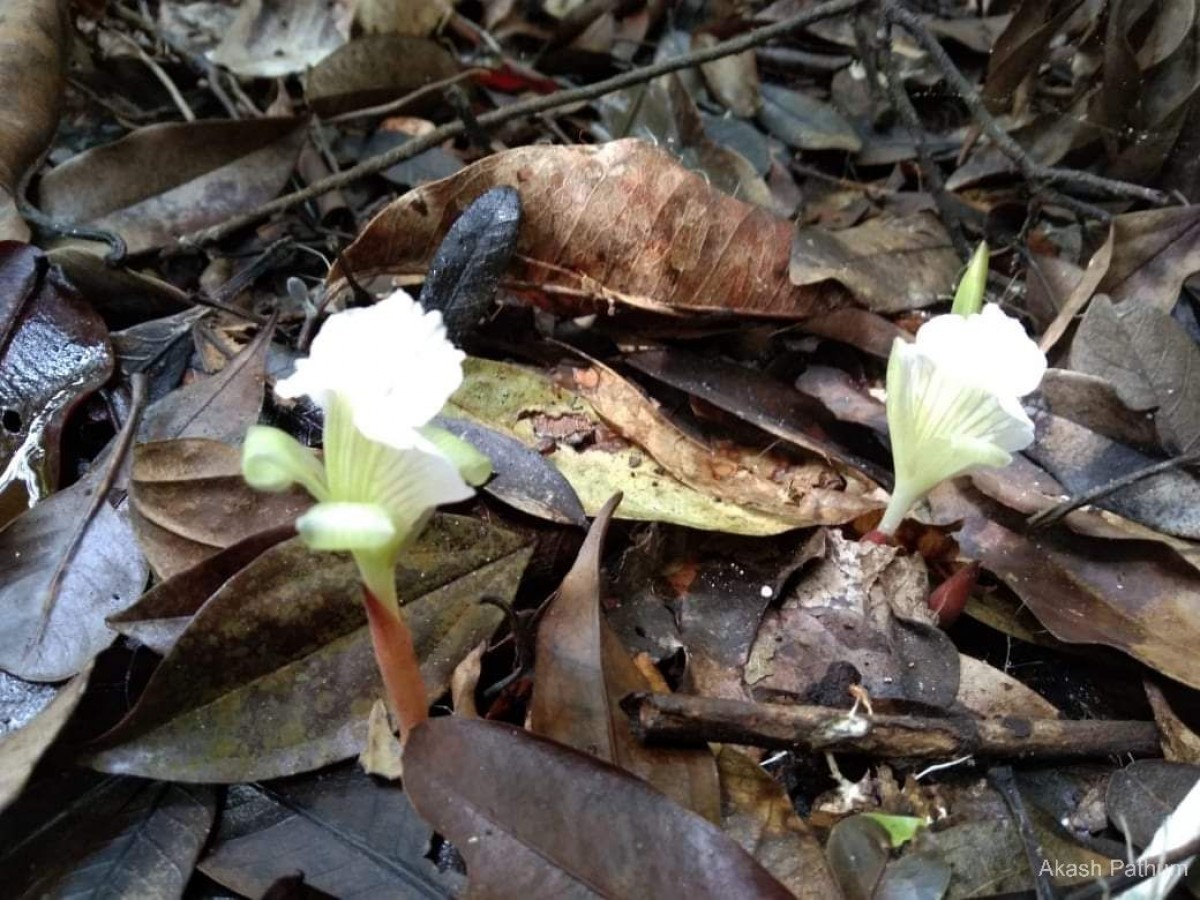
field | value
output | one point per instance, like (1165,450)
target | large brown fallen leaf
(1134,596)
(535,819)
(191,501)
(54,351)
(1153,253)
(619,223)
(271,40)
(583,672)
(373,70)
(805,492)
(217,169)
(275,674)
(34,41)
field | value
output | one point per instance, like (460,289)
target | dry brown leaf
(374,70)
(583,673)
(732,79)
(757,813)
(217,169)
(809,493)
(622,222)
(271,39)
(34,36)
(383,754)
(888,264)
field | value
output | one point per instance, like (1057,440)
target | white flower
(380,373)
(953,401)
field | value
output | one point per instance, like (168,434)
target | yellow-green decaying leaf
(521,402)
(900,829)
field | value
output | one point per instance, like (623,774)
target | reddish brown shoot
(950,597)
(397,659)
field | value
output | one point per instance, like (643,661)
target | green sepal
(273,460)
(473,466)
(347,526)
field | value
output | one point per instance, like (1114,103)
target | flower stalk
(380,374)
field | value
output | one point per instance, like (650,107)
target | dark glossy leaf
(524,479)
(54,601)
(502,797)
(275,674)
(349,834)
(123,837)
(467,266)
(159,348)
(583,673)
(54,351)
(858,851)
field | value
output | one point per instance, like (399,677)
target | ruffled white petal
(347,526)
(990,351)
(390,361)
(273,460)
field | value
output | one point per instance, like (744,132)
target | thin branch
(1052,514)
(678,718)
(518,110)
(163,78)
(1033,171)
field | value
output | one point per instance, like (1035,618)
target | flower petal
(410,484)
(942,427)
(990,351)
(473,466)
(273,460)
(347,526)
(391,362)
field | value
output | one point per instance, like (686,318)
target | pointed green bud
(968,299)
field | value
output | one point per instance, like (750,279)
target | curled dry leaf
(191,501)
(809,492)
(275,675)
(862,605)
(583,672)
(525,404)
(622,222)
(218,169)
(501,795)
(34,41)
(54,351)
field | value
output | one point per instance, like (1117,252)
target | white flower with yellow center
(953,401)
(380,374)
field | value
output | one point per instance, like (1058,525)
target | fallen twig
(1002,781)
(1034,171)
(529,107)
(1052,514)
(675,718)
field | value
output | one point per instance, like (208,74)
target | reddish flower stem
(397,659)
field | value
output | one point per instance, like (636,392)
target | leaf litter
(678,264)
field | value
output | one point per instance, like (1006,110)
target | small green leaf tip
(968,299)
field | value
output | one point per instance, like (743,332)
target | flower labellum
(953,401)
(380,373)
